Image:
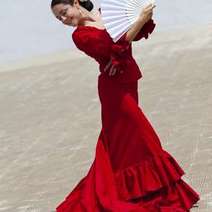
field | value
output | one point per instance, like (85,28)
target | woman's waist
(119,63)
(128,72)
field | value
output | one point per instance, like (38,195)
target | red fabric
(131,171)
(98,44)
(145,30)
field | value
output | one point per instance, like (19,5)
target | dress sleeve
(81,40)
(120,47)
(147,29)
(119,50)
(119,54)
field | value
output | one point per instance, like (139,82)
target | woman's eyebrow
(62,10)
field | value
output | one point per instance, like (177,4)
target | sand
(50,117)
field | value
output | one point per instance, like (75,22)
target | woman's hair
(87,4)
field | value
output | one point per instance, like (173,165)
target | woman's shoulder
(76,34)
(88,35)
(80,37)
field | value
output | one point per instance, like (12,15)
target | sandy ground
(50,117)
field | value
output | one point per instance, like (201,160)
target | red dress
(131,172)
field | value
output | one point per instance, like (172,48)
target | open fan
(119,15)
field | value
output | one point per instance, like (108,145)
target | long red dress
(131,171)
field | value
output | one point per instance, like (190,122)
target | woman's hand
(111,67)
(112,71)
(147,12)
(143,18)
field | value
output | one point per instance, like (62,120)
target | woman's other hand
(147,12)
(112,69)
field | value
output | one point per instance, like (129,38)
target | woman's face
(67,14)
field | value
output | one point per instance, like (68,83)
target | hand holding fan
(119,15)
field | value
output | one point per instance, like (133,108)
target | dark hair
(87,4)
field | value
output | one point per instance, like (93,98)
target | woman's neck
(97,22)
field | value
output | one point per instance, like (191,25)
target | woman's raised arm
(144,17)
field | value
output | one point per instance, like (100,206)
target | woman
(131,171)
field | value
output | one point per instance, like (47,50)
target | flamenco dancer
(131,171)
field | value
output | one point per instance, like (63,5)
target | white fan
(119,15)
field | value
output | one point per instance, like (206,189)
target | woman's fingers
(153,7)
(150,7)
(112,70)
(108,65)
(150,12)
(146,12)
(111,67)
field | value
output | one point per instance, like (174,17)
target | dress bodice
(98,44)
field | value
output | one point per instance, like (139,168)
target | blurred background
(50,113)
(29,29)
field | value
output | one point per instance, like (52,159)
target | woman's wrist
(134,30)
(141,20)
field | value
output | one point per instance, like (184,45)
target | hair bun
(87,4)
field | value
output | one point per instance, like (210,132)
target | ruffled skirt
(131,172)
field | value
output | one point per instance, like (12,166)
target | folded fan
(119,15)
